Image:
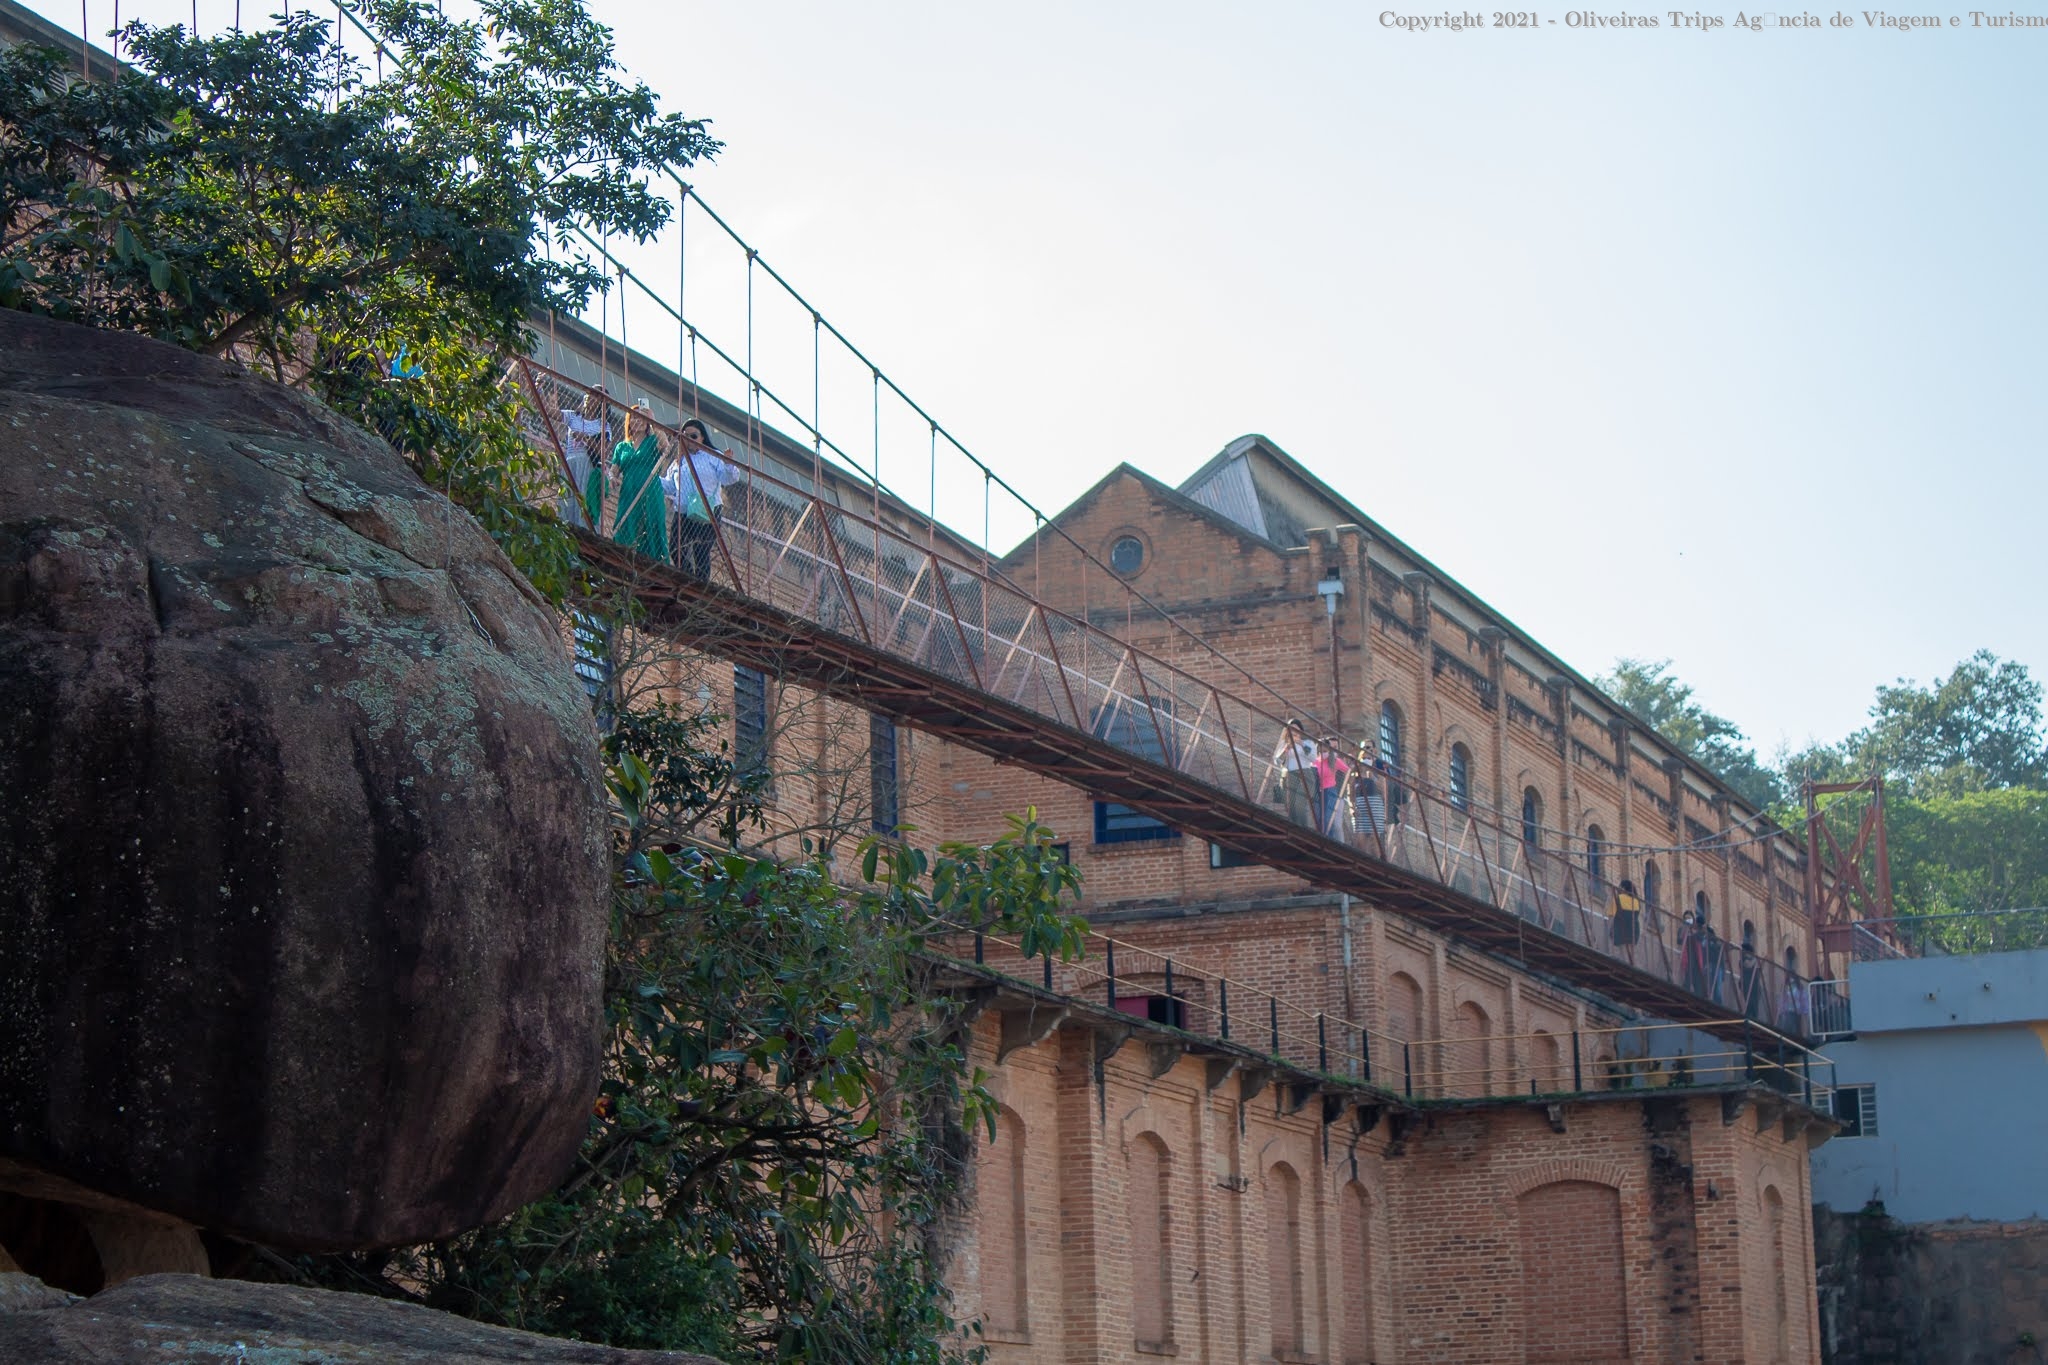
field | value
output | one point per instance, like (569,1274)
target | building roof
(1256,490)
(19,25)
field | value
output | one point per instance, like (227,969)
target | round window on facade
(1127,556)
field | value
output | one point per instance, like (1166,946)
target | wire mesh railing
(716,514)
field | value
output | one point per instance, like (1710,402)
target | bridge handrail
(903,592)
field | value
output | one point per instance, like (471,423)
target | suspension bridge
(887,606)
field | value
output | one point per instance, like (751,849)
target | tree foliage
(265,196)
(1978,729)
(787,1102)
(1666,705)
(1965,764)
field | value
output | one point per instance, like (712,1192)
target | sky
(1722,346)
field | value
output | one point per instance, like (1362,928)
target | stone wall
(1957,1293)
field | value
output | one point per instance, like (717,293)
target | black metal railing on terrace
(1175,992)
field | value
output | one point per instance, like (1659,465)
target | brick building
(1525,1177)
(1595,1230)
(1179,1207)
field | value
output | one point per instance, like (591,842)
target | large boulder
(180,1320)
(302,869)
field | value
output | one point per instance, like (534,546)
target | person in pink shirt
(1333,775)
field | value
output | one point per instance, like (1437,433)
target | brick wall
(1454,680)
(1174,1207)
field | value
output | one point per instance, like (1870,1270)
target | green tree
(1971,852)
(1966,813)
(787,1100)
(1977,729)
(787,1104)
(265,197)
(1666,705)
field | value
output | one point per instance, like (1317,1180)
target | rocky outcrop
(302,872)
(162,1319)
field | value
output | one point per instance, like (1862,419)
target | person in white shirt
(697,483)
(1300,788)
(589,431)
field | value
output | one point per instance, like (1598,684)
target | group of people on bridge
(1323,789)
(662,499)
(1359,795)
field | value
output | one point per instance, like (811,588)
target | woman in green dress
(643,503)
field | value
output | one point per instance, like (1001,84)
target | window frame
(749,721)
(1116,823)
(1862,1122)
(593,661)
(1117,544)
(1141,727)
(885,790)
(1222,859)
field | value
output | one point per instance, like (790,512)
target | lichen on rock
(302,867)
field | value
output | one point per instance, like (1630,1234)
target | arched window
(1532,818)
(1596,857)
(1001,1196)
(1653,885)
(1357,1281)
(1152,1277)
(1781,1317)
(1404,1008)
(1547,1061)
(1390,755)
(1283,1258)
(1574,1265)
(1461,777)
(1471,1070)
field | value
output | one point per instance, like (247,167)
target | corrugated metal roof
(1227,491)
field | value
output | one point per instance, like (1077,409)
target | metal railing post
(1748,1052)
(1407,1071)
(1273,1013)
(1365,1051)
(1169,984)
(1322,1045)
(1223,1004)
(1048,969)
(1578,1069)
(1109,963)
